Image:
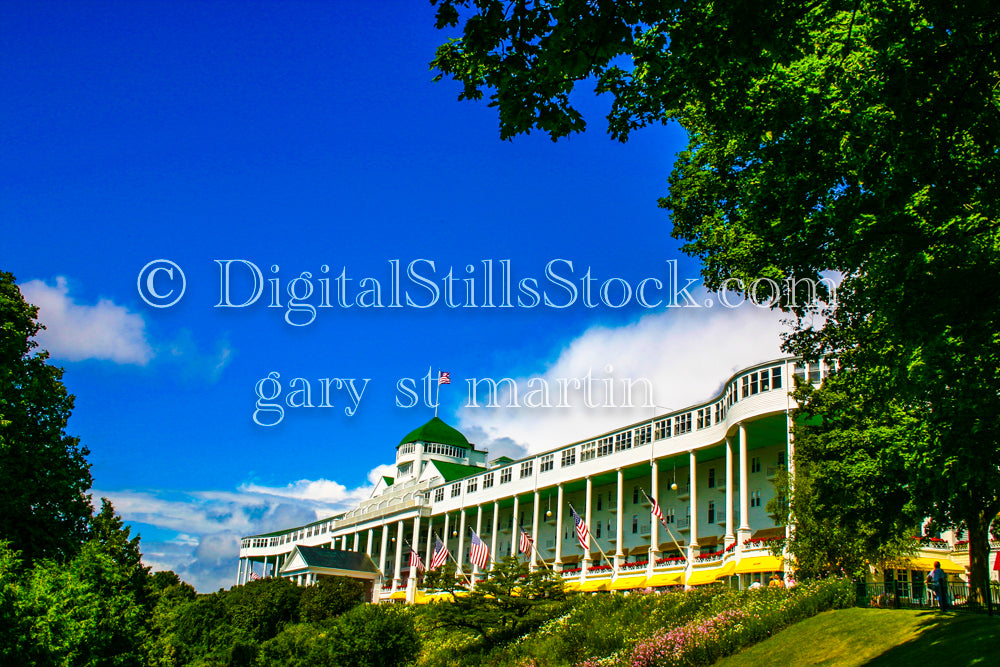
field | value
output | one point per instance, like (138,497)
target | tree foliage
(860,137)
(44,509)
(508,601)
(330,597)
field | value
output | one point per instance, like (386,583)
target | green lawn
(879,638)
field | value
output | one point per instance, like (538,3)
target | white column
(397,577)
(744,532)
(496,529)
(620,526)
(429,550)
(729,538)
(357,537)
(654,525)
(587,517)
(514,534)
(384,553)
(415,545)
(479,532)
(460,556)
(534,529)
(693,463)
(368,543)
(559,527)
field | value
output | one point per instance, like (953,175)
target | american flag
(254,576)
(582,532)
(441,553)
(444,377)
(657,512)
(526,542)
(415,561)
(479,553)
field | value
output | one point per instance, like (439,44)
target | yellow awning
(625,583)
(700,577)
(947,565)
(590,586)
(422,598)
(671,579)
(570,586)
(398,595)
(728,569)
(759,564)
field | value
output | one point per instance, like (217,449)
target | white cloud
(77,331)
(208,525)
(684,353)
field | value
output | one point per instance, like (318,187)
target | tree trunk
(979,554)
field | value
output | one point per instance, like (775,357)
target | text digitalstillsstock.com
(423,283)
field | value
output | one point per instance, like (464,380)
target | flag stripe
(479,554)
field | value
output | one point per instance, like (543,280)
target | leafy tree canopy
(44,509)
(860,137)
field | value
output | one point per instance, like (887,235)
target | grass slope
(878,638)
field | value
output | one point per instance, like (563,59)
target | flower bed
(762,542)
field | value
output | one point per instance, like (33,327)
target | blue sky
(302,135)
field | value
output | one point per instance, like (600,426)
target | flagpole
(669,532)
(458,565)
(537,552)
(437,399)
(596,543)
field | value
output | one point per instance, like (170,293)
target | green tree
(83,612)
(508,601)
(331,596)
(44,509)
(859,137)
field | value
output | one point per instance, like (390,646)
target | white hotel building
(711,466)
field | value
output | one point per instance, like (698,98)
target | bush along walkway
(731,621)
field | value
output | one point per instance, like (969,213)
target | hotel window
(800,371)
(526,469)
(548,462)
(635,495)
(472,485)
(765,380)
(623,441)
(487,480)
(662,429)
(776,377)
(643,435)
(755,499)
(814,373)
(719,412)
(669,516)
(745,386)
(781,458)
(456,489)
(711,512)
(598,529)
(588,451)
(605,446)
(704,417)
(569,457)
(755,464)
(439,494)
(711,478)
(683,423)
(600,501)
(506,474)
(754,388)
(635,524)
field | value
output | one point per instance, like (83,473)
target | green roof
(337,559)
(453,471)
(437,431)
(502,460)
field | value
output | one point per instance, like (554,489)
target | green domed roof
(437,431)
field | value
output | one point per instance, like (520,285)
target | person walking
(940,580)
